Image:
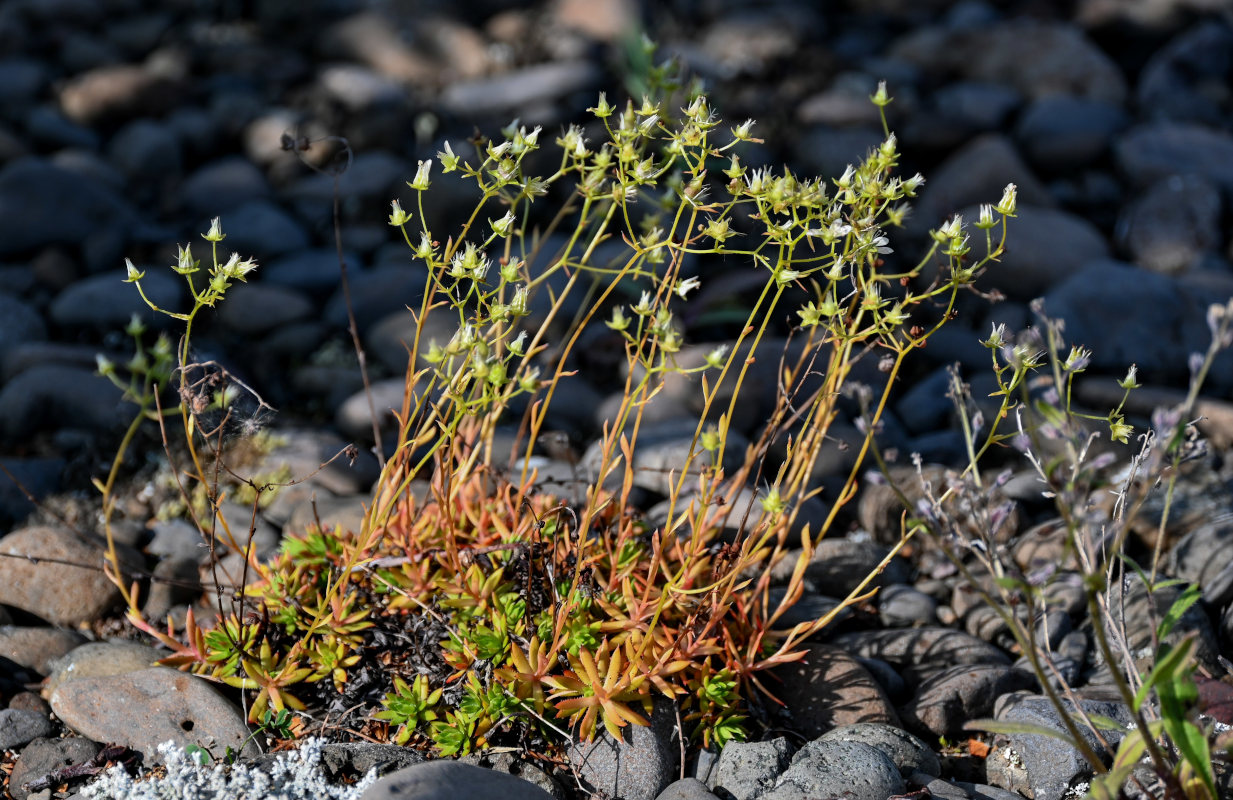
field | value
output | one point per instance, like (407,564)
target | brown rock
(117,92)
(143,709)
(36,648)
(828,688)
(61,593)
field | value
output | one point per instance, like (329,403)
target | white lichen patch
(293,776)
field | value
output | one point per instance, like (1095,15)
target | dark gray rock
(107,302)
(637,767)
(32,477)
(21,81)
(1044,246)
(1036,58)
(946,701)
(1204,556)
(1172,225)
(746,770)
(42,204)
(686,789)
(976,173)
(932,647)
(826,152)
(925,406)
(378,292)
(18,323)
(221,186)
(1093,305)
(1062,132)
(313,270)
(827,688)
(901,606)
(36,648)
(908,753)
(146,152)
(262,230)
(1043,766)
(43,756)
(976,106)
(451,780)
(17,727)
(1149,152)
(838,566)
(518,89)
(50,129)
(255,308)
(56,397)
(838,769)
(1183,80)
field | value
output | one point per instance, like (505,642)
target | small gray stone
(313,270)
(828,687)
(1157,150)
(36,648)
(451,780)
(637,767)
(746,770)
(1173,224)
(839,565)
(935,647)
(261,229)
(107,302)
(146,151)
(909,753)
(42,204)
(686,789)
(1061,132)
(838,769)
(143,709)
(255,308)
(1042,766)
(221,186)
(517,89)
(44,580)
(99,659)
(947,700)
(43,756)
(54,397)
(17,727)
(901,606)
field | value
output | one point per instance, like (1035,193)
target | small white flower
(422,182)
(683,288)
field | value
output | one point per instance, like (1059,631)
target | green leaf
(1168,661)
(1180,606)
(1009,727)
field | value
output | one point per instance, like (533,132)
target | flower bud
(215,234)
(421,182)
(1010,198)
(398,217)
(134,274)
